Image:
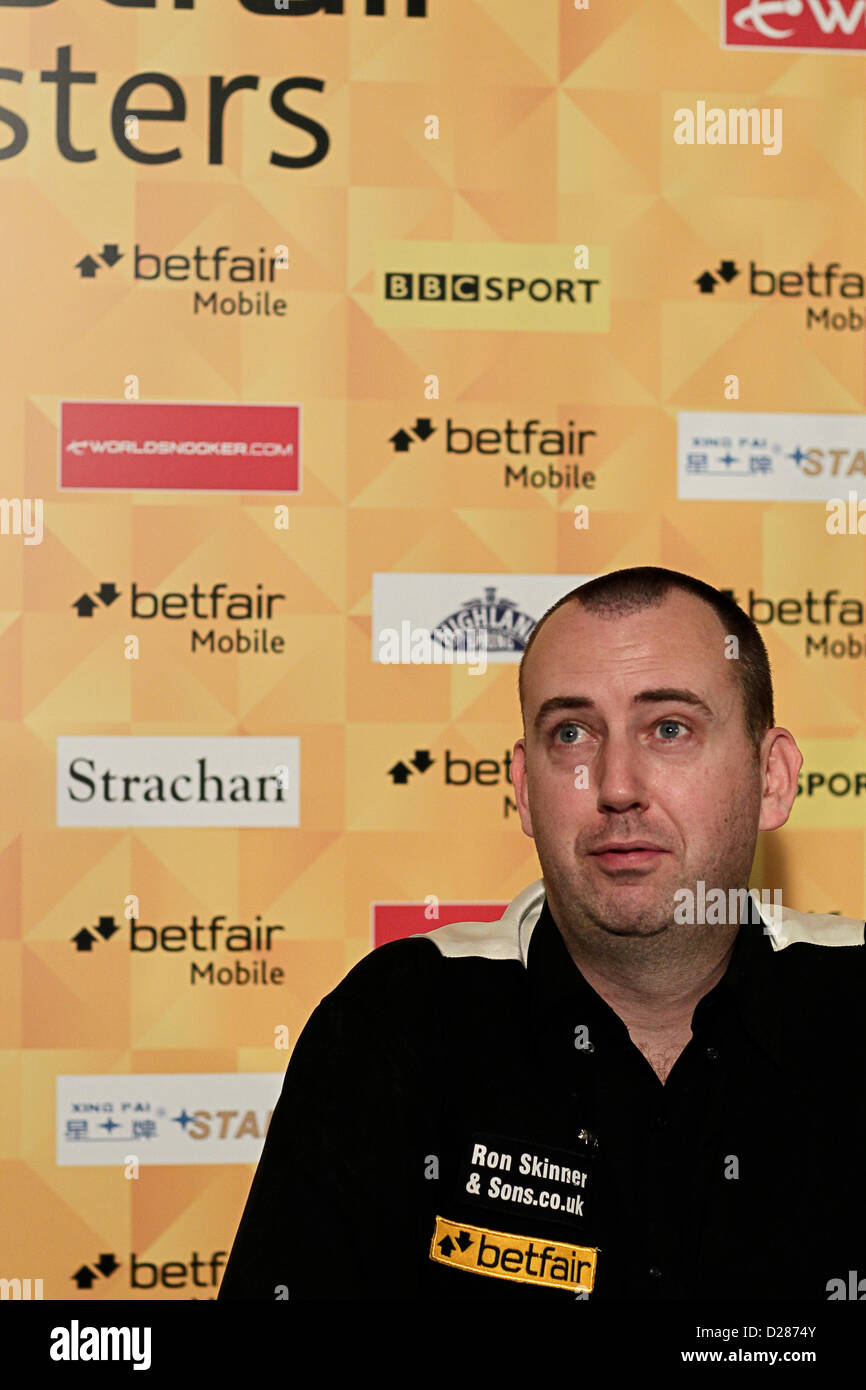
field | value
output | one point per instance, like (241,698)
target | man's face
(672,770)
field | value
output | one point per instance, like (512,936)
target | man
(616,1091)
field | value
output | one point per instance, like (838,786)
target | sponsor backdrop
(340,340)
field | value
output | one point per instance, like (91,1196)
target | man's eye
(667,724)
(570,729)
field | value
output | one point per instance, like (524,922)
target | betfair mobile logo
(415,9)
(523,1259)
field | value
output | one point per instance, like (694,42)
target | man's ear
(781,761)
(521,792)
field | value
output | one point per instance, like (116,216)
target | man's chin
(635,910)
(641,929)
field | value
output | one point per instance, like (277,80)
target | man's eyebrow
(669,694)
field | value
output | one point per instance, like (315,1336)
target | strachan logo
(148,780)
(799,26)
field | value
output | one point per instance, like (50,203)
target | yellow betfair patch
(528,1260)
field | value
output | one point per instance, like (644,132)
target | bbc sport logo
(492,286)
(797,26)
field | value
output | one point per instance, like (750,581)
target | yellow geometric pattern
(554,127)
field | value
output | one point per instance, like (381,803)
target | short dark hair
(647,586)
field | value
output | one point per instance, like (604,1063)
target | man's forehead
(680,641)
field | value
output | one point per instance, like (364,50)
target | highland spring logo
(466,619)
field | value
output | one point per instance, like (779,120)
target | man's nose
(620,778)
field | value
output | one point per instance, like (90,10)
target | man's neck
(656,999)
(653,983)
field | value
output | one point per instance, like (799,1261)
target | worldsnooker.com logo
(797,26)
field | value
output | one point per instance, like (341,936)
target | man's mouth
(631,854)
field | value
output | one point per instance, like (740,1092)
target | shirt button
(654,1272)
(713,1054)
(661,1121)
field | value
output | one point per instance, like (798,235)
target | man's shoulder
(419,966)
(819,962)
(786,927)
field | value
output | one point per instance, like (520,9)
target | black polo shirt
(465,1127)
